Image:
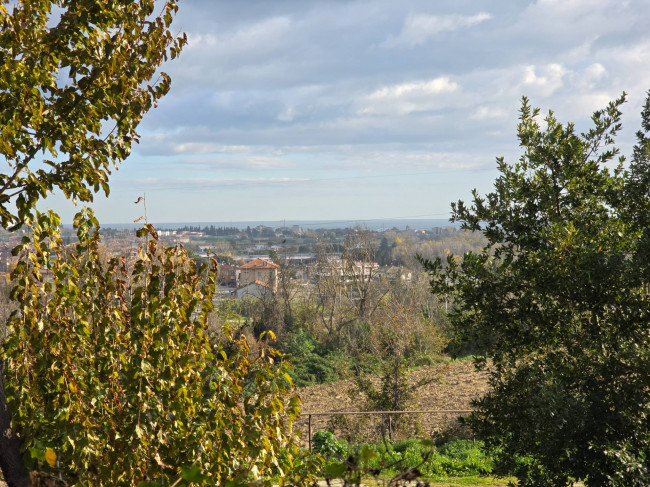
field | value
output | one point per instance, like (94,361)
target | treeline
(211,230)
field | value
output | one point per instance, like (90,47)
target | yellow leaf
(50,457)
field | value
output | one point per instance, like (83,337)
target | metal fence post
(309,431)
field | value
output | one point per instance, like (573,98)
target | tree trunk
(11,461)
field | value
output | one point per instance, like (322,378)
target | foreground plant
(558,302)
(111,378)
(76,78)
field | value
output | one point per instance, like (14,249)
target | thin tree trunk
(11,461)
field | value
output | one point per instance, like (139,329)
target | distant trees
(208,230)
(557,304)
(384,252)
(345,291)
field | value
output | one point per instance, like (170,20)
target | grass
(472,481)
(456,463)
(468,482)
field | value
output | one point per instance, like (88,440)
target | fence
(389,414)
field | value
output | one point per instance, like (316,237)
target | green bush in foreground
(326,444)
(456,458)
(111,378)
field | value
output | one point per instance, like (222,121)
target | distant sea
(372,224)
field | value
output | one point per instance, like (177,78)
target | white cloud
(431,87)
(202,183)
(487,113)
(572,9)
(287,115)
(419,28)
(543,80)
(207,148)
(415,160)
(592,74)
(251,39)
(405,98)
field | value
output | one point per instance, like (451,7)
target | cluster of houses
(255,278)
(259,277)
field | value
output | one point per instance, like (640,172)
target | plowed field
(456,384)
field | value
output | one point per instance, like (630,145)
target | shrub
(111,378)
(456,458)
(326,444)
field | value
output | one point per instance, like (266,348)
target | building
(259,270)
(228,275)
(256,289)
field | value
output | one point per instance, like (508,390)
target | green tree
(396,339)
(557,304)
(74,85)
(75,81)
(114,379)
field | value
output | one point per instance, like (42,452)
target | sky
(366,109)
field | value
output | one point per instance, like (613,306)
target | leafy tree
(113,379)
(384,252)
(396,338)
(74,84)
(557,304)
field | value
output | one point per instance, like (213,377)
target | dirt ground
(456,384)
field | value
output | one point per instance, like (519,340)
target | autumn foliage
(110,369)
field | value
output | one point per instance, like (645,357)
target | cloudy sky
(367,109)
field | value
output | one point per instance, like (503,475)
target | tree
(74,84)
(73,87)
(397,335)
(384,252)
(106,360)
(557,304)
(345,286)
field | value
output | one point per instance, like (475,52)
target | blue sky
(366,109)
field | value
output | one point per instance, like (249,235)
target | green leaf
(192,473)
(367,453)
(335,470)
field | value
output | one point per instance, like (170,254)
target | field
(456,385)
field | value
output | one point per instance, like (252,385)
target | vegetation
(557,301)
(73,88)
(407,460)
(105,359)
(74,84)
(105,356)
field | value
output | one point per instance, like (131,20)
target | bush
(457,458)
(111,378)
(326,444)
(311,363)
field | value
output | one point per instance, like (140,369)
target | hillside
(457,384)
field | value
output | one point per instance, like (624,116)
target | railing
(385,413)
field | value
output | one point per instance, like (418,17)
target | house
(259,270)
(255,289)
(228,275)
(345,270)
